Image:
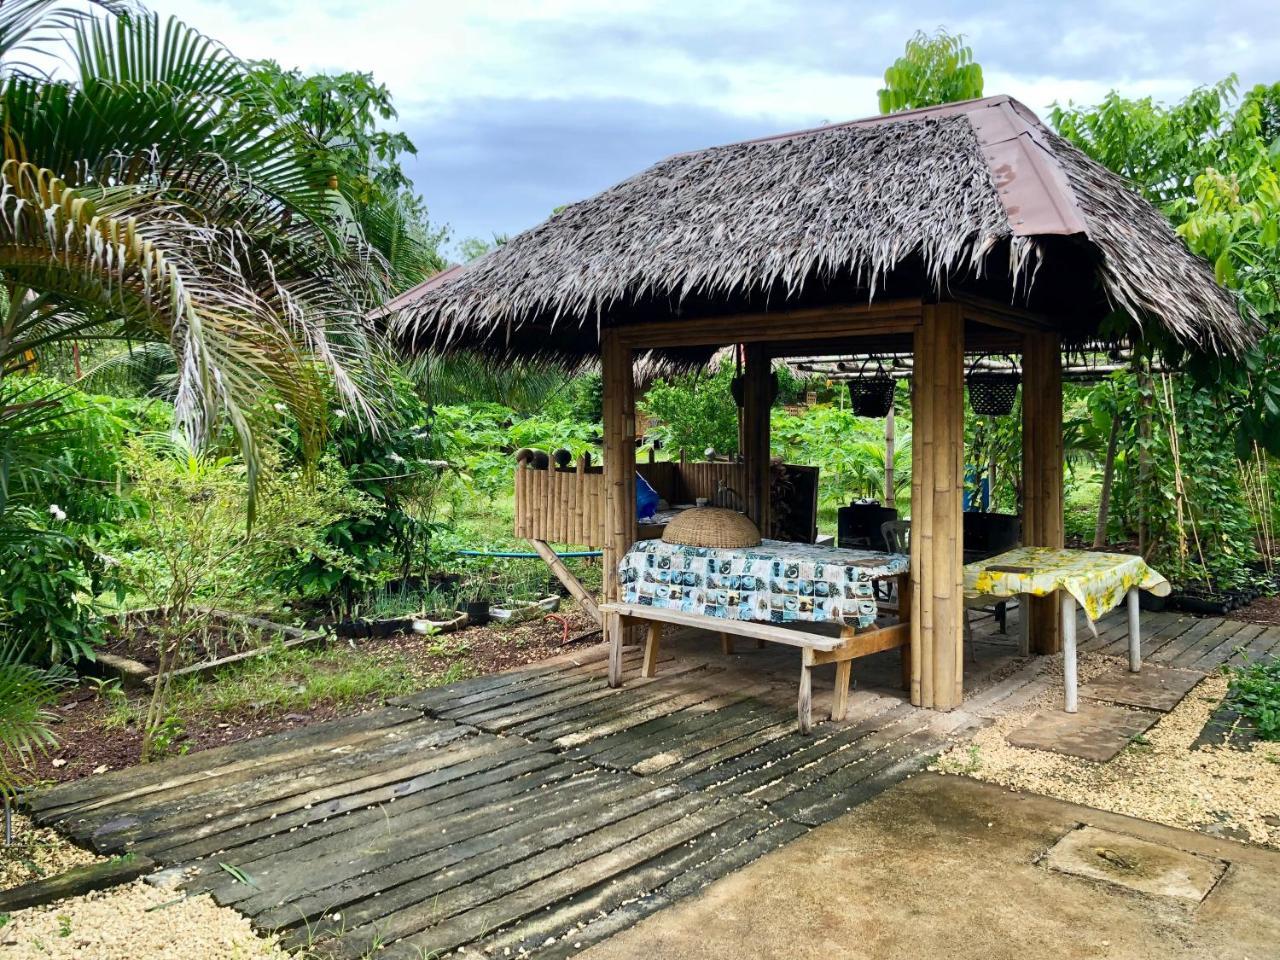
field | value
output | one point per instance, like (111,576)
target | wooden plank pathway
(538,810)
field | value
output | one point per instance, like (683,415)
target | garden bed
(132,652)
(96,726)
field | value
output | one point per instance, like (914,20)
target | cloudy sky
(518,107)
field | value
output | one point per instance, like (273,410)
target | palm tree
(159,196)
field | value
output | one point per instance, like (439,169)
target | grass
(300,680)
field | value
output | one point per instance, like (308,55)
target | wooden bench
(816,648)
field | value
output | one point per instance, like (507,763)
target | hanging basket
(871,396)
(992,392)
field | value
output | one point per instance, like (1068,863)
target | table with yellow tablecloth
(1098,582)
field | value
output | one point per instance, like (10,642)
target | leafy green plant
(1254,693)
(196,553)
(694,412)
(26,694)
(932,70)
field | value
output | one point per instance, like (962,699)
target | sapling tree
(196,553)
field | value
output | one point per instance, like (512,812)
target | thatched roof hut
(977,197)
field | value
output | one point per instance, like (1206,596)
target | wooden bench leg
(804,704)
(651,643)
(761,642)
(615,631)
(726,643)
(840,696)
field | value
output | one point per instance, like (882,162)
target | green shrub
(1254,693)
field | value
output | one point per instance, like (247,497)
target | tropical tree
(158,194)
(1212,164)
(341,116)
(932,70)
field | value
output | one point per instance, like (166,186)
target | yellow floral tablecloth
(1098,581)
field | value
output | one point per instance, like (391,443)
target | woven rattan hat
(711,527)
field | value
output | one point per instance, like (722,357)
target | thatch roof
(978,195)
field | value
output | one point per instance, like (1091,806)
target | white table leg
(1135,633)
(1024,624)
(1069,650)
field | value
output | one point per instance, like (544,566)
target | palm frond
(26,694)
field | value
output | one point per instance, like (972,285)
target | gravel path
(37,853)
(130,923)
(1232,793)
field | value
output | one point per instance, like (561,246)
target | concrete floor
(951,868)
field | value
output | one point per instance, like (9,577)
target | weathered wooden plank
(682,695)
(75,882)
(556,723)
(880,771)
(506,763)
(698,742)
(456,853)
(1189,638)
(424,901)
(685,884)
(808,763)
(118,786)
(1268,641)
(539,685)
(563,918)
(506,784)
(524,899)
(504,717)
(242,821)
(239,801)
(1214,656)
(621,751)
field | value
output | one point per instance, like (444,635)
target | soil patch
(1263,610)
(93,737)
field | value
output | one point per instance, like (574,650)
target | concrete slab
(1154,688)
(950,867)
(1098,732)
(1139,865)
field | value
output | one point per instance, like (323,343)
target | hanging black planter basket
(993,392)
(871,396)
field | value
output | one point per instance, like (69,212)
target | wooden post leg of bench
(615,631)
(840,696)
(726,643)
(651,643)
(760,643)
(804,704)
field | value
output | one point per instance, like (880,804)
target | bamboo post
(1042,466)
(619,480)
(889,449)
(565,576)
(937,483)
(755,420)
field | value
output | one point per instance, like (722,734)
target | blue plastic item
(646,499)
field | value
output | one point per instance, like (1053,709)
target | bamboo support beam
(565,576)
(937,484)
(1042,468)
(756,391)
(619,480)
